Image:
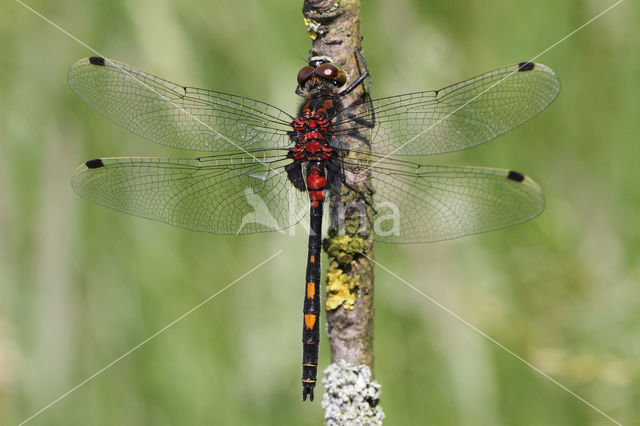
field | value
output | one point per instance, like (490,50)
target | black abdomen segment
(311,311)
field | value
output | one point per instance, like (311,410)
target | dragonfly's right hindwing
(198,194)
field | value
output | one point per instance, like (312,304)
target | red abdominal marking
(315,181)
(315,185)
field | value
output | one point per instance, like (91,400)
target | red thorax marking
(312,145)
(311,142)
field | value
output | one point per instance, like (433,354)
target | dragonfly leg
(362,76)
(367,93)
(363,121)
(337,173)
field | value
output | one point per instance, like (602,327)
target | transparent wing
(459,116)
(417,203)
(175,115)
(221,195)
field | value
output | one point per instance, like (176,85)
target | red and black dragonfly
(267,167)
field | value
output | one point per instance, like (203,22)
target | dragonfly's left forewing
(459,116)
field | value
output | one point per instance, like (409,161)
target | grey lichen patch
(335,7)
(352,396)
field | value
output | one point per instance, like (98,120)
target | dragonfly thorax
(312,130)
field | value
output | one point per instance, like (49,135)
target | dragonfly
(262,169)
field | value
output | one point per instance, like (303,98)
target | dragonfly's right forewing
(178,116)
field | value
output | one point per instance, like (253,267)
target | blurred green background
(80,284)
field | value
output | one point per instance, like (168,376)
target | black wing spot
(97,60)
(515,176)
(526,66)
(94,164)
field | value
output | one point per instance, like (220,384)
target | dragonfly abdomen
(316,182)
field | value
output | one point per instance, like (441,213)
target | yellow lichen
(340,289)
(343,249)
(312,28)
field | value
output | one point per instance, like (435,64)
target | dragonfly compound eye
(304,75)
(331,72)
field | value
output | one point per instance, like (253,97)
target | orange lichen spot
(312,259)
(309,321)
(311,290)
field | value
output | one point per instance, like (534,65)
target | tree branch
(334,27)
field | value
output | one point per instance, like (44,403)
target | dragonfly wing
(462,115)
(202,194)
(417,204)
(175,115)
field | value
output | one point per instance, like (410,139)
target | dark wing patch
(94,164)
(97,60)
(515,176)
(294,172)
(526,66)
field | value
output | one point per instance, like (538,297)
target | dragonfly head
(322,74)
